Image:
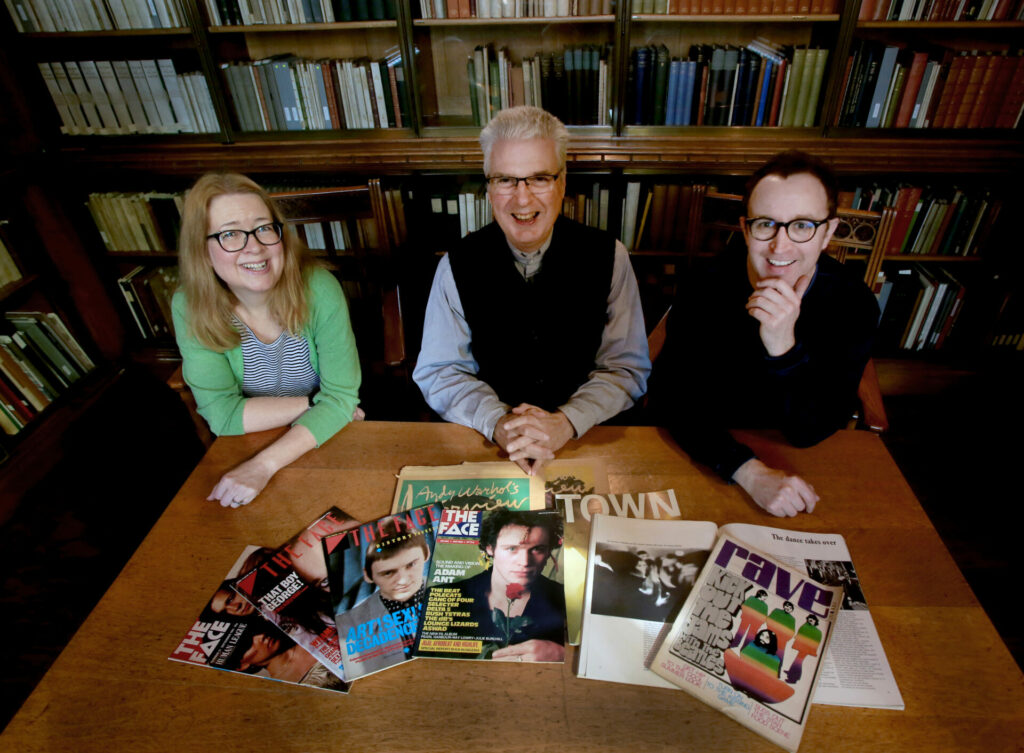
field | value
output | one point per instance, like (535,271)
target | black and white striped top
(278,369)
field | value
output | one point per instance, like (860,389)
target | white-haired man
(533,330)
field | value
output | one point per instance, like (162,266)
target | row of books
(455,215)
(573,84)
(137,222)
(944,222)
(287,93)
(39,361)
(652,217)
(890,87)
(147,293)
(735,7)
(258,12)
(757,85)
(97,15)
(920,305)
(9,271)
(941,10)
(514,8)
(656,217)
(111,97)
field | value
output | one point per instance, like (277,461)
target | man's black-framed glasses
(234,241)
(538,184)
(799,230)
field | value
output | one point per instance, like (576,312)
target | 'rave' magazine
(289,587)
(231,635)
(495,587)
(378,574)
(749,640)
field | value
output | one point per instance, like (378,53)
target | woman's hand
(240,485)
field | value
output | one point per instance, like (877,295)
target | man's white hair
(524,122)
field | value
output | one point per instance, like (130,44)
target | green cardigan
(216,377)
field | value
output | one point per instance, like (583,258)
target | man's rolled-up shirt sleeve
(622,362)
(446,371)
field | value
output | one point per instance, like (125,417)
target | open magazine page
(231,635)
(639,574)
(578,508)
(289,587)
(855,671)
(749,640)
(495,589)
(378,574)
(473,486)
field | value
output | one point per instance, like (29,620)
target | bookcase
(419,67)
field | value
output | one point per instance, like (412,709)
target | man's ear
(830,229)
(367,578)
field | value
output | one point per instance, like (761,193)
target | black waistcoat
(535,341)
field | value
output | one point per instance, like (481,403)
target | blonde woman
(264,333)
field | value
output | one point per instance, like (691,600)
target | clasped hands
(531,436)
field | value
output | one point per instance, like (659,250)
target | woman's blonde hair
(209,302)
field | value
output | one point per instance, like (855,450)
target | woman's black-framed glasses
(799,230)
(234,241)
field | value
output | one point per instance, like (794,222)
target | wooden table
(113,689)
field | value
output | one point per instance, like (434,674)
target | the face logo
(800,196)
(398,577)
(526,217)
(520,554)
(256,268)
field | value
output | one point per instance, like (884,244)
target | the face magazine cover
(230,634)
(378,575)
(495,587)
(749,640)
(289,587)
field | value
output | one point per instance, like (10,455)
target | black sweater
(714,373)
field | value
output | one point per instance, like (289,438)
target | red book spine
(971,78)
(946,96)
(780,83)
(987,92)
(913,85)
(1014,99)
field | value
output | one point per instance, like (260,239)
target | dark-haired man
(397,570)
(776,338)
(519,545)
